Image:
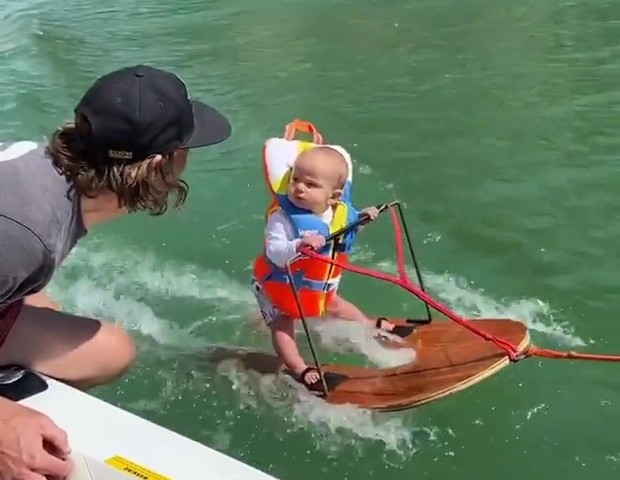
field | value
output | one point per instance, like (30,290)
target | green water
(495,123)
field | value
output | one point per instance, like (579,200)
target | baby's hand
(313,241)
(371,212)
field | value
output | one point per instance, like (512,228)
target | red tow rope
(403,281)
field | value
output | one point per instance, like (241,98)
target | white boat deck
(108,440)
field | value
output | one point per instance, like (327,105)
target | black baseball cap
(138,111)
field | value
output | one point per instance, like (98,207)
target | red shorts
(8,317)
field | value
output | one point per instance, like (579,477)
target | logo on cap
(120,154)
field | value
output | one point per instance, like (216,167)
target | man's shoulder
(35,194)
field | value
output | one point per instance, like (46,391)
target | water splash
(129,289)
(472,302)
(333,426)
(346,336)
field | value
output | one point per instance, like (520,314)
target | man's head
(318,178)
(130,135)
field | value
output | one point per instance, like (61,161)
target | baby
(312,210)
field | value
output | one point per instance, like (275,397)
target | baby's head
(318,178)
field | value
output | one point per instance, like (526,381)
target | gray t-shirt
(40,220)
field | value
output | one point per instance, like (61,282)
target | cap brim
(210,127)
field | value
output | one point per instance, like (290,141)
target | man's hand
(31,445)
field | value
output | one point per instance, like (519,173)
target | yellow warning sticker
(133,469)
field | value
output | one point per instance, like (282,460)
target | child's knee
(336,305)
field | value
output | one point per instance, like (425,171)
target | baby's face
(315,181)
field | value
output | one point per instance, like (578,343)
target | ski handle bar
(364,219)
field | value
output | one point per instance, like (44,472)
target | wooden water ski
(449,358)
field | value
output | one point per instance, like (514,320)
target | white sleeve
(280,246)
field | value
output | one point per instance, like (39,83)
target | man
(124,152)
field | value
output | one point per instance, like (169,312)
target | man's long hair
(145,185)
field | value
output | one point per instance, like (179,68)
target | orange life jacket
(315,281)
